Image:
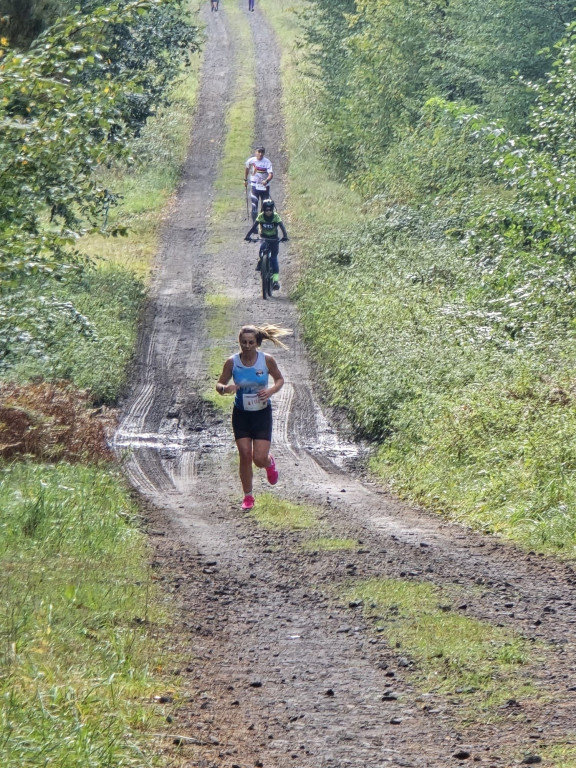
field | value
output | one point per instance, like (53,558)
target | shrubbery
(52,422)
(39,341)
(445,325)
(71,105)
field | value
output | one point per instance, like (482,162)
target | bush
(52,422)
(61,344)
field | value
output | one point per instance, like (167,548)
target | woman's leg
(261,453)
(244,445)
(262,458)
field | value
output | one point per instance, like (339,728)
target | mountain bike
(265,264)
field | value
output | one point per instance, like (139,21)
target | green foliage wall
(445,324)
(381,60)
(24,20)
(71,104)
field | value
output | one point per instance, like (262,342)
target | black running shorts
(254,424)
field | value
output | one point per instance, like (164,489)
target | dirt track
(281,670)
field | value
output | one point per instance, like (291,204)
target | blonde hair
(271,333)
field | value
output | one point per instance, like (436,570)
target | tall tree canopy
(381,60)
(68,104)
(24,20)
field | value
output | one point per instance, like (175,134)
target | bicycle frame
(265,265)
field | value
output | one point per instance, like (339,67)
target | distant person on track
(250,5)
(250,370)
(214,5)
(268,223)
(259,169)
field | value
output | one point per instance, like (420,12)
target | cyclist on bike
(259,168)
(268,222)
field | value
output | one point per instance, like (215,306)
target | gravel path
(280,670)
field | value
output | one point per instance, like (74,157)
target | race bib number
(253,402)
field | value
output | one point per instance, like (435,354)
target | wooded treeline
(77,84)
(380,61)
(24,20)
(454,303)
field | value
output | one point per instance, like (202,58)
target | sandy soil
(280,669)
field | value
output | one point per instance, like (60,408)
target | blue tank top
(251,379)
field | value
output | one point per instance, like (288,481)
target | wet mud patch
(197,414)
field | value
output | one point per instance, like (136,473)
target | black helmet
(268,205)
(259,148)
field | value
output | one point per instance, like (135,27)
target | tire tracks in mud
(280,670)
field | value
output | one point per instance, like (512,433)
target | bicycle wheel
(270,281)
(270,274)
(266,275)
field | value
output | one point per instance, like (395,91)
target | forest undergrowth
(438,298)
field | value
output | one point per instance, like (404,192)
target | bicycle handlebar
(266,239)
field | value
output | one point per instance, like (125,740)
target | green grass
(453,654)
(498,456)
(219,324)
(327,544)
(79,620)
(274,513)
(558,755)
(216,357)
(220,315)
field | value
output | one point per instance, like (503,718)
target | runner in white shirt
(259,169)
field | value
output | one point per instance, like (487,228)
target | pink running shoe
(272,472)
(248,502)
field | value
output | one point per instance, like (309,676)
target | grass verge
(327,544)
(498,454)
(79,620)
(229,187)
(452,654)
(274,513)
(558,755)
(219,324)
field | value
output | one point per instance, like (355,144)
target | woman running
(250,370)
